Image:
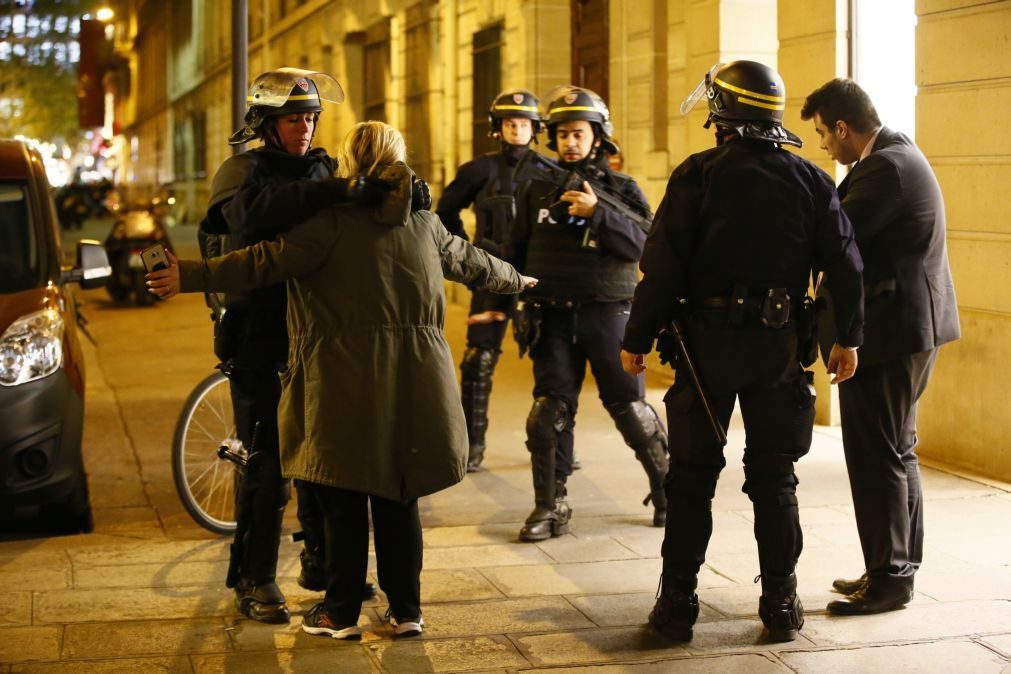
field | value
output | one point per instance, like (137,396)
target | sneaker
(317,621)
(405,628)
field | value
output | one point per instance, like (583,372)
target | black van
(41,364)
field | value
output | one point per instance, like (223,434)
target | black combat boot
(263,602)
(780,608)
(642,430)
(545,522)
(676,608)
(475,390)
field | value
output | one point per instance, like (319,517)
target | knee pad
(637,422)
(477,363)
(548,417)
(770,480)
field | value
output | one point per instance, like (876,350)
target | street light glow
(104,14)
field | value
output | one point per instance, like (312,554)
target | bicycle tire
(206,483)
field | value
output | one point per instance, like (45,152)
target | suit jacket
(894,202)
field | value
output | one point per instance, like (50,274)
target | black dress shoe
(873,597)
(843,586)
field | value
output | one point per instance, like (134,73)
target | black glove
(421,196)
(367,191)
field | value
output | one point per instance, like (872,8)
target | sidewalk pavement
(145,591)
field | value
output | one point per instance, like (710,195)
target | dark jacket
(369,400)
(895,204)
(255,196)
(577,260)
(744,212)
(472,178)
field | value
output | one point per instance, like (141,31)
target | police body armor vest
(567,261)
(495,210)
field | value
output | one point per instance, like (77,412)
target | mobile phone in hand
(154,257)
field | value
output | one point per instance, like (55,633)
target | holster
(527,326)
(807,332)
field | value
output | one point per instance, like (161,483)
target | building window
(883,59)
(487,83)
(376,64)
(199,122)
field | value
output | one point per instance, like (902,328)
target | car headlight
(31,348)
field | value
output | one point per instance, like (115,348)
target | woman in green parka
(370,409)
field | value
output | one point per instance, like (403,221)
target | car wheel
(73,515)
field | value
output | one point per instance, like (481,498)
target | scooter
(137,227)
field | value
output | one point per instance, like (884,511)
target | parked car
(41,363)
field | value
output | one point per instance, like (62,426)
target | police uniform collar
(513,153)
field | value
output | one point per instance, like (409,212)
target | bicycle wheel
(206,483)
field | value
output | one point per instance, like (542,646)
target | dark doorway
(590,52)
(377,70)
(487,82)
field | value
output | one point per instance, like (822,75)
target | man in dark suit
(894,202)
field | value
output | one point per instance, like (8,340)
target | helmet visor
(273,89)
(699,92)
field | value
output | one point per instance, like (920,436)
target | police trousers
(570,338)
(757,368)
(262,493)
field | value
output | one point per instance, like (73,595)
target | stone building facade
(430,68)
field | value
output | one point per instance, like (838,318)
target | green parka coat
(370,400)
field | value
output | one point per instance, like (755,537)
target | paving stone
(116,492)
(78,606)
(944,656)
(742,600)
(616,610)
(644,542)
(135,521)
(637,575)
(154,637)
(25,644)
(248,635)
(597,645)
(14,557)
(341,656)
(734,635)
(169,551)
(15,607)
(170,665)
(925,622)
(963,582)
(591,549)
(165,574)
(751,663)
(35,579)
(540,614)
(1002,642)
(442,585)
(447,655)
(484,555)
(479,534)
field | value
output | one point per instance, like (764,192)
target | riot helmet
(569,103)
(746,97)
(513,103)
(285,91)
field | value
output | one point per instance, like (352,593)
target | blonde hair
(370,146)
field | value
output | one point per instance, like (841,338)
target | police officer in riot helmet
(255,196)
(486,182)
(734,243)
(586,253)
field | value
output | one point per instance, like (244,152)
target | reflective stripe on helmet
(525,108)
(759,104)
(753,94)
(583,108)
(300,97)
